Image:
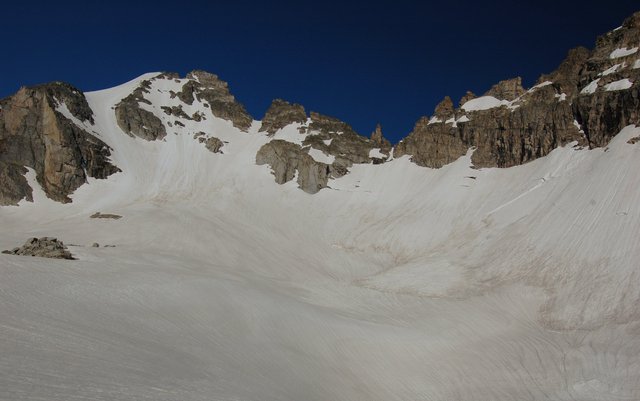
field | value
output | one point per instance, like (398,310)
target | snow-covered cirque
(397,283)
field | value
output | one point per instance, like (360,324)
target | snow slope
(397,283)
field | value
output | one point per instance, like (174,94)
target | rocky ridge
(588,99)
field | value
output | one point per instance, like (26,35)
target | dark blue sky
(389,62)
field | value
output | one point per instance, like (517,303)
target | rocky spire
(444,109)
(379,140)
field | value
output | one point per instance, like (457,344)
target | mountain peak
(282,113)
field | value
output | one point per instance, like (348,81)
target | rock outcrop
(13,184)
(45,247)
(134,120)
(444,109)
(509,89)
(345,144)
(341,146)
(286,159)
(379,140)
(588,99)
(280,114)
(99,215)
(34,133)
(213,144)
(613,72)
(207,87)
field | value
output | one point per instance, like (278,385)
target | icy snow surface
(623,52)
(591,88)
(375,152)
(484,103)
(612,69)
(398,283)
(320,156)
(540,85)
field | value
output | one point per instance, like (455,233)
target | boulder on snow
(45,247)
(99,215)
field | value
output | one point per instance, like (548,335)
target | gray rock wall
(33,134)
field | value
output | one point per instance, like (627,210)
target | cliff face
(609,84)
(588,99)
(35,134)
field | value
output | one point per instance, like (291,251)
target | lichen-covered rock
(280,114)
(45,247)
(33,133)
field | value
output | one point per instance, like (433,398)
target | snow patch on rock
(321,157)
(376,153)
(612,69)
(619,85)
(484,103)
(591,88)
(622,52)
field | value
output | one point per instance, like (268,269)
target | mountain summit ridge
(588,99)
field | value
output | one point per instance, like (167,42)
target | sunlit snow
(397,283)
